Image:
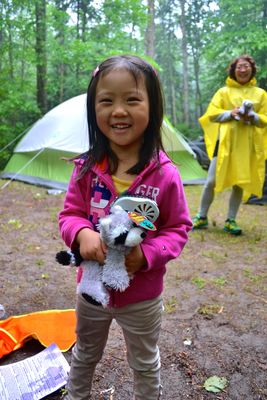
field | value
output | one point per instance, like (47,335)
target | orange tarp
(51,326)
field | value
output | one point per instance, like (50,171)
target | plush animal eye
(121,238)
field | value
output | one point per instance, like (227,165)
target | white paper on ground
(35,377)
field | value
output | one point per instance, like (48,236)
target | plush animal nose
(143,235)
(121,238)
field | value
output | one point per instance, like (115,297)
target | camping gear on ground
(199,148)
(260,201)
(63,132)
(51,326)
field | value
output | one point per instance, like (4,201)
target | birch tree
(150,30)
(41,56)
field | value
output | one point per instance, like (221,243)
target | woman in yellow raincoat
(235,133)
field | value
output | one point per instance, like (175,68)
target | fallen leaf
(215,384)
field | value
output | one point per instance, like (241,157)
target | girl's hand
(91,246)
(135,260)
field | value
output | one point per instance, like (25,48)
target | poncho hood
(233,83)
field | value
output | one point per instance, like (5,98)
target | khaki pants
(140,323)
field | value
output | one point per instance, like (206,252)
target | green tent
(62,132)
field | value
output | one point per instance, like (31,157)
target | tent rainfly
(63,132)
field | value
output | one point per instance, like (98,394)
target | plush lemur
(120,231)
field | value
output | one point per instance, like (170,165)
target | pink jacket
(90,197)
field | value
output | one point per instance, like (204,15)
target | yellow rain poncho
(243,148)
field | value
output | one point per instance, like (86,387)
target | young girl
(124,112)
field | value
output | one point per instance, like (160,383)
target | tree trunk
(60,37)
(150,30)
(10,44)
(77,67)
(185,65)
(41,60)
(198,102)
(263,56)
(173,102)
(84,16)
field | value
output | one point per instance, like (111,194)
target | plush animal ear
(63,257)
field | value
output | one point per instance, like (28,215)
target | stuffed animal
(120,231)
(246,111)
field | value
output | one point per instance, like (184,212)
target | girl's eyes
(133,99)
(129,100)
(105,100)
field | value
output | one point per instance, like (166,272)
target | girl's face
(243,71)
(122,109)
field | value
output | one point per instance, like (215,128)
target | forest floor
(215,296)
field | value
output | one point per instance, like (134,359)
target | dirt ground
(215,318)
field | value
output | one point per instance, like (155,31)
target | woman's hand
(91,246)
(235,113)
(135,260)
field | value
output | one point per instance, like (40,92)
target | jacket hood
(154,163)
(232,83)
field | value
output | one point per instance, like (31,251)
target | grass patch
(53,212)
(221,281)
(255,278)
(40,262)
(170,305)
(209,310)
(214,255)
(16,223)
(199,282)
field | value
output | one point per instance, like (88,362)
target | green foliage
(73,51)
(81,34)
(189,131)
(18,110)
(235,28)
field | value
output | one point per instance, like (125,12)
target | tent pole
(24,166)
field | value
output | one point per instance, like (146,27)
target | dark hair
(246,57)
(99,146)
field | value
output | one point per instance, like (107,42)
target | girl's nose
(119,109)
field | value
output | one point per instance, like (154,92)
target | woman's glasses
(239,67)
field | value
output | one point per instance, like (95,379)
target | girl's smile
(122,109)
